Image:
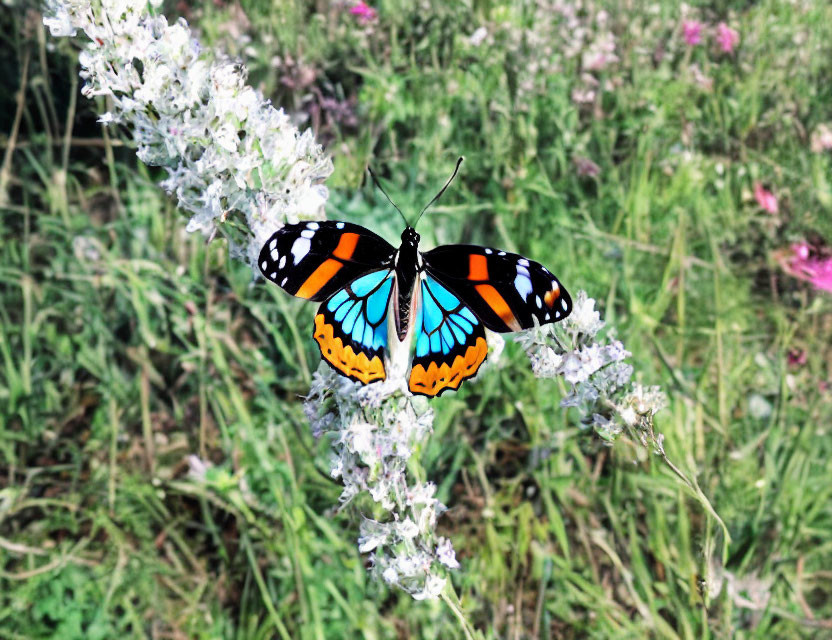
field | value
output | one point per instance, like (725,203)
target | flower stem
(450,598)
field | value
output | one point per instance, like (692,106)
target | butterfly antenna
(380,188)
(441,191)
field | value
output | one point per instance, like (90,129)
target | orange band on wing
(319,278)
(552,296)
(435,379)
(346,246)
(343,358)
(477,267)
(498,305)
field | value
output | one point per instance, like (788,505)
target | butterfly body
(378,303)
(407,264)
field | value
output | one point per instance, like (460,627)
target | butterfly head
(410,237)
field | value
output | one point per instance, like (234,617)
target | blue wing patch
(351,327)
(450,341)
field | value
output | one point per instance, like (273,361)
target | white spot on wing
(283,284)
(273,243)
(274,254)
(523,262)
(282,262)
(523,284)
(501,253)
(263,265)
(300,248)
(307,233)
(339,225)
(312,225)
(488,252)
(563,304)
(547,317)
(538,302)
(273,275)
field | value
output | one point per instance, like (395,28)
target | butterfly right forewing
(506,291)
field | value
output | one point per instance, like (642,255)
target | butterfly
(376,299)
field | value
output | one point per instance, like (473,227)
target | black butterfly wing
(506,291)
(314,260)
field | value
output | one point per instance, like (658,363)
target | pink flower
(822,139)
(364,12)
(586,167)
(796,357)
(692,32)
(809,264)
(600,54)
(727,37)
(765,198)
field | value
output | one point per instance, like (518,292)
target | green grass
(126,345)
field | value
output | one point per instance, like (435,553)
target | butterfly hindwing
(450,341)
(506,291)
(313,260)
(351,327)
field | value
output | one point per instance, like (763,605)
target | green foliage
(127,345)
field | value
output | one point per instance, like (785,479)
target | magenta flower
(364,12)
(809,264)
(796,357)
(765,198)
(727,37)
(692,32)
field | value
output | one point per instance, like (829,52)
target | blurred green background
(598,141)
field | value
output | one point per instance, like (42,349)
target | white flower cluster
(601,388)
(227,150)
(374,431)
(559,34)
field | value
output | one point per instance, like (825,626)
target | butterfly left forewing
(313,260)
(506,291)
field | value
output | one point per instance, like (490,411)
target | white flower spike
(226,149)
